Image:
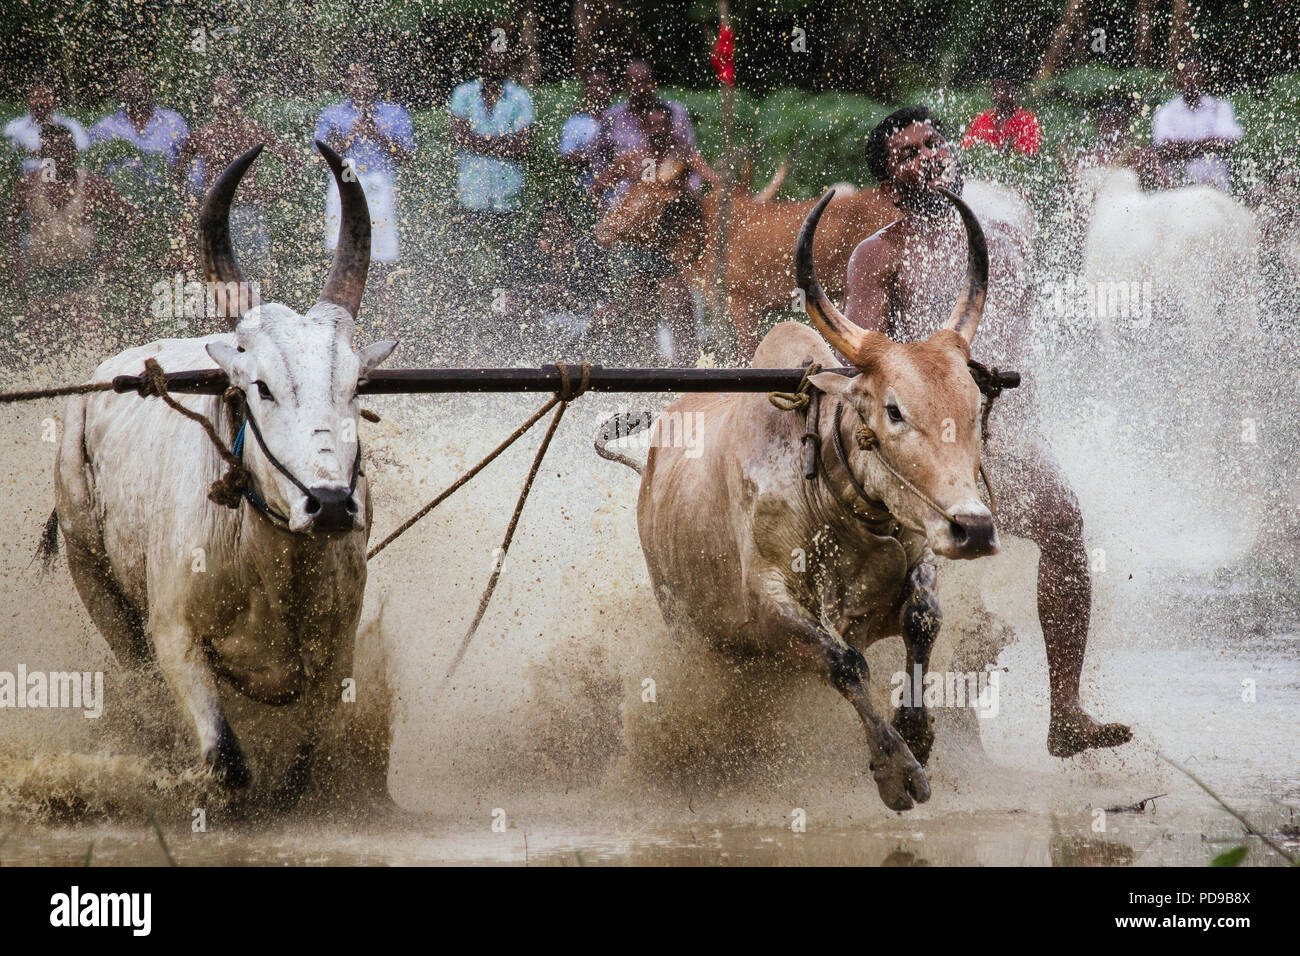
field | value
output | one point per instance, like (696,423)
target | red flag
(724,56)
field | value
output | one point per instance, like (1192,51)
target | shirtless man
(902,281)
(64,259)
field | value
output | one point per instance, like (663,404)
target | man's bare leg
(1041,507)
(679,312)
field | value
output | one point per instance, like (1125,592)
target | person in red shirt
(1008,125)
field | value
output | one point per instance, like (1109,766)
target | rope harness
(237,483)
(990,381)
(567,393)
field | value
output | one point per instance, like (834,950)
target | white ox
(265,596)
(1196,246)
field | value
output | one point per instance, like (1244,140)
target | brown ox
(756,558)
(759,275)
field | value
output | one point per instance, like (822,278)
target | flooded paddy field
(543,750)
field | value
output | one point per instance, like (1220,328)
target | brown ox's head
(918,398)
(636,218)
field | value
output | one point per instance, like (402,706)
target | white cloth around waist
(381,197)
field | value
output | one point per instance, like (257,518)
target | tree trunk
(1178,35)
(1142,46)
(584,40)
(1065,28)
(530,64)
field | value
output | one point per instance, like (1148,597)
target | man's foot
(1073,732)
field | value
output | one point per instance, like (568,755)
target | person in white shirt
(1194,132)
(24,133)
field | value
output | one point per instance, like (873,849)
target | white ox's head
(918,400)
(299,373)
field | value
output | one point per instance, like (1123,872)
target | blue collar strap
(254,499)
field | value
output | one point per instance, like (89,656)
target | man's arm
(399,140)
(1183,150)
(871,289)
(1173,147)
(329,133)
(194,145)
(627,166)
(510,146)
(700,167)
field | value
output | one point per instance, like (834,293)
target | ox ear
(231,361)
(850,389)
(831,383)
(373,355)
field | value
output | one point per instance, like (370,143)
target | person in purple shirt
(152,129)
(646,128)
(624,128)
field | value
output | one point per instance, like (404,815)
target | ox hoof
(227,762)
(901,782)
(916,727)
(1073,733)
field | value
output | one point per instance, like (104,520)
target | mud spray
(586,731)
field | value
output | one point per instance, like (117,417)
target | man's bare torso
(905,279)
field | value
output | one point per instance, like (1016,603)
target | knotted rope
(869,441)
(230,488)
(798,399)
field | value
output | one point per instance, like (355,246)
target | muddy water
(547,729)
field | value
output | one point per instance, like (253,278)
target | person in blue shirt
(377,138)
(491,127)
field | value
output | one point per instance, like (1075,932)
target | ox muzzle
(327,509)
(973,536)
(332,509)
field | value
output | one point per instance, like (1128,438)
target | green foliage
(1095,81)
(1233,857)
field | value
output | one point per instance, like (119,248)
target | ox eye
(263,391)
(894,414)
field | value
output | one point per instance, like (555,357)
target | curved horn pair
(855,342)
(347,278)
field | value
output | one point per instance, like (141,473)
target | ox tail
(48,548)
(620,426)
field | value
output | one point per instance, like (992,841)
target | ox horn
(347,278)
(965,318)
(216,253)
(851,340)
